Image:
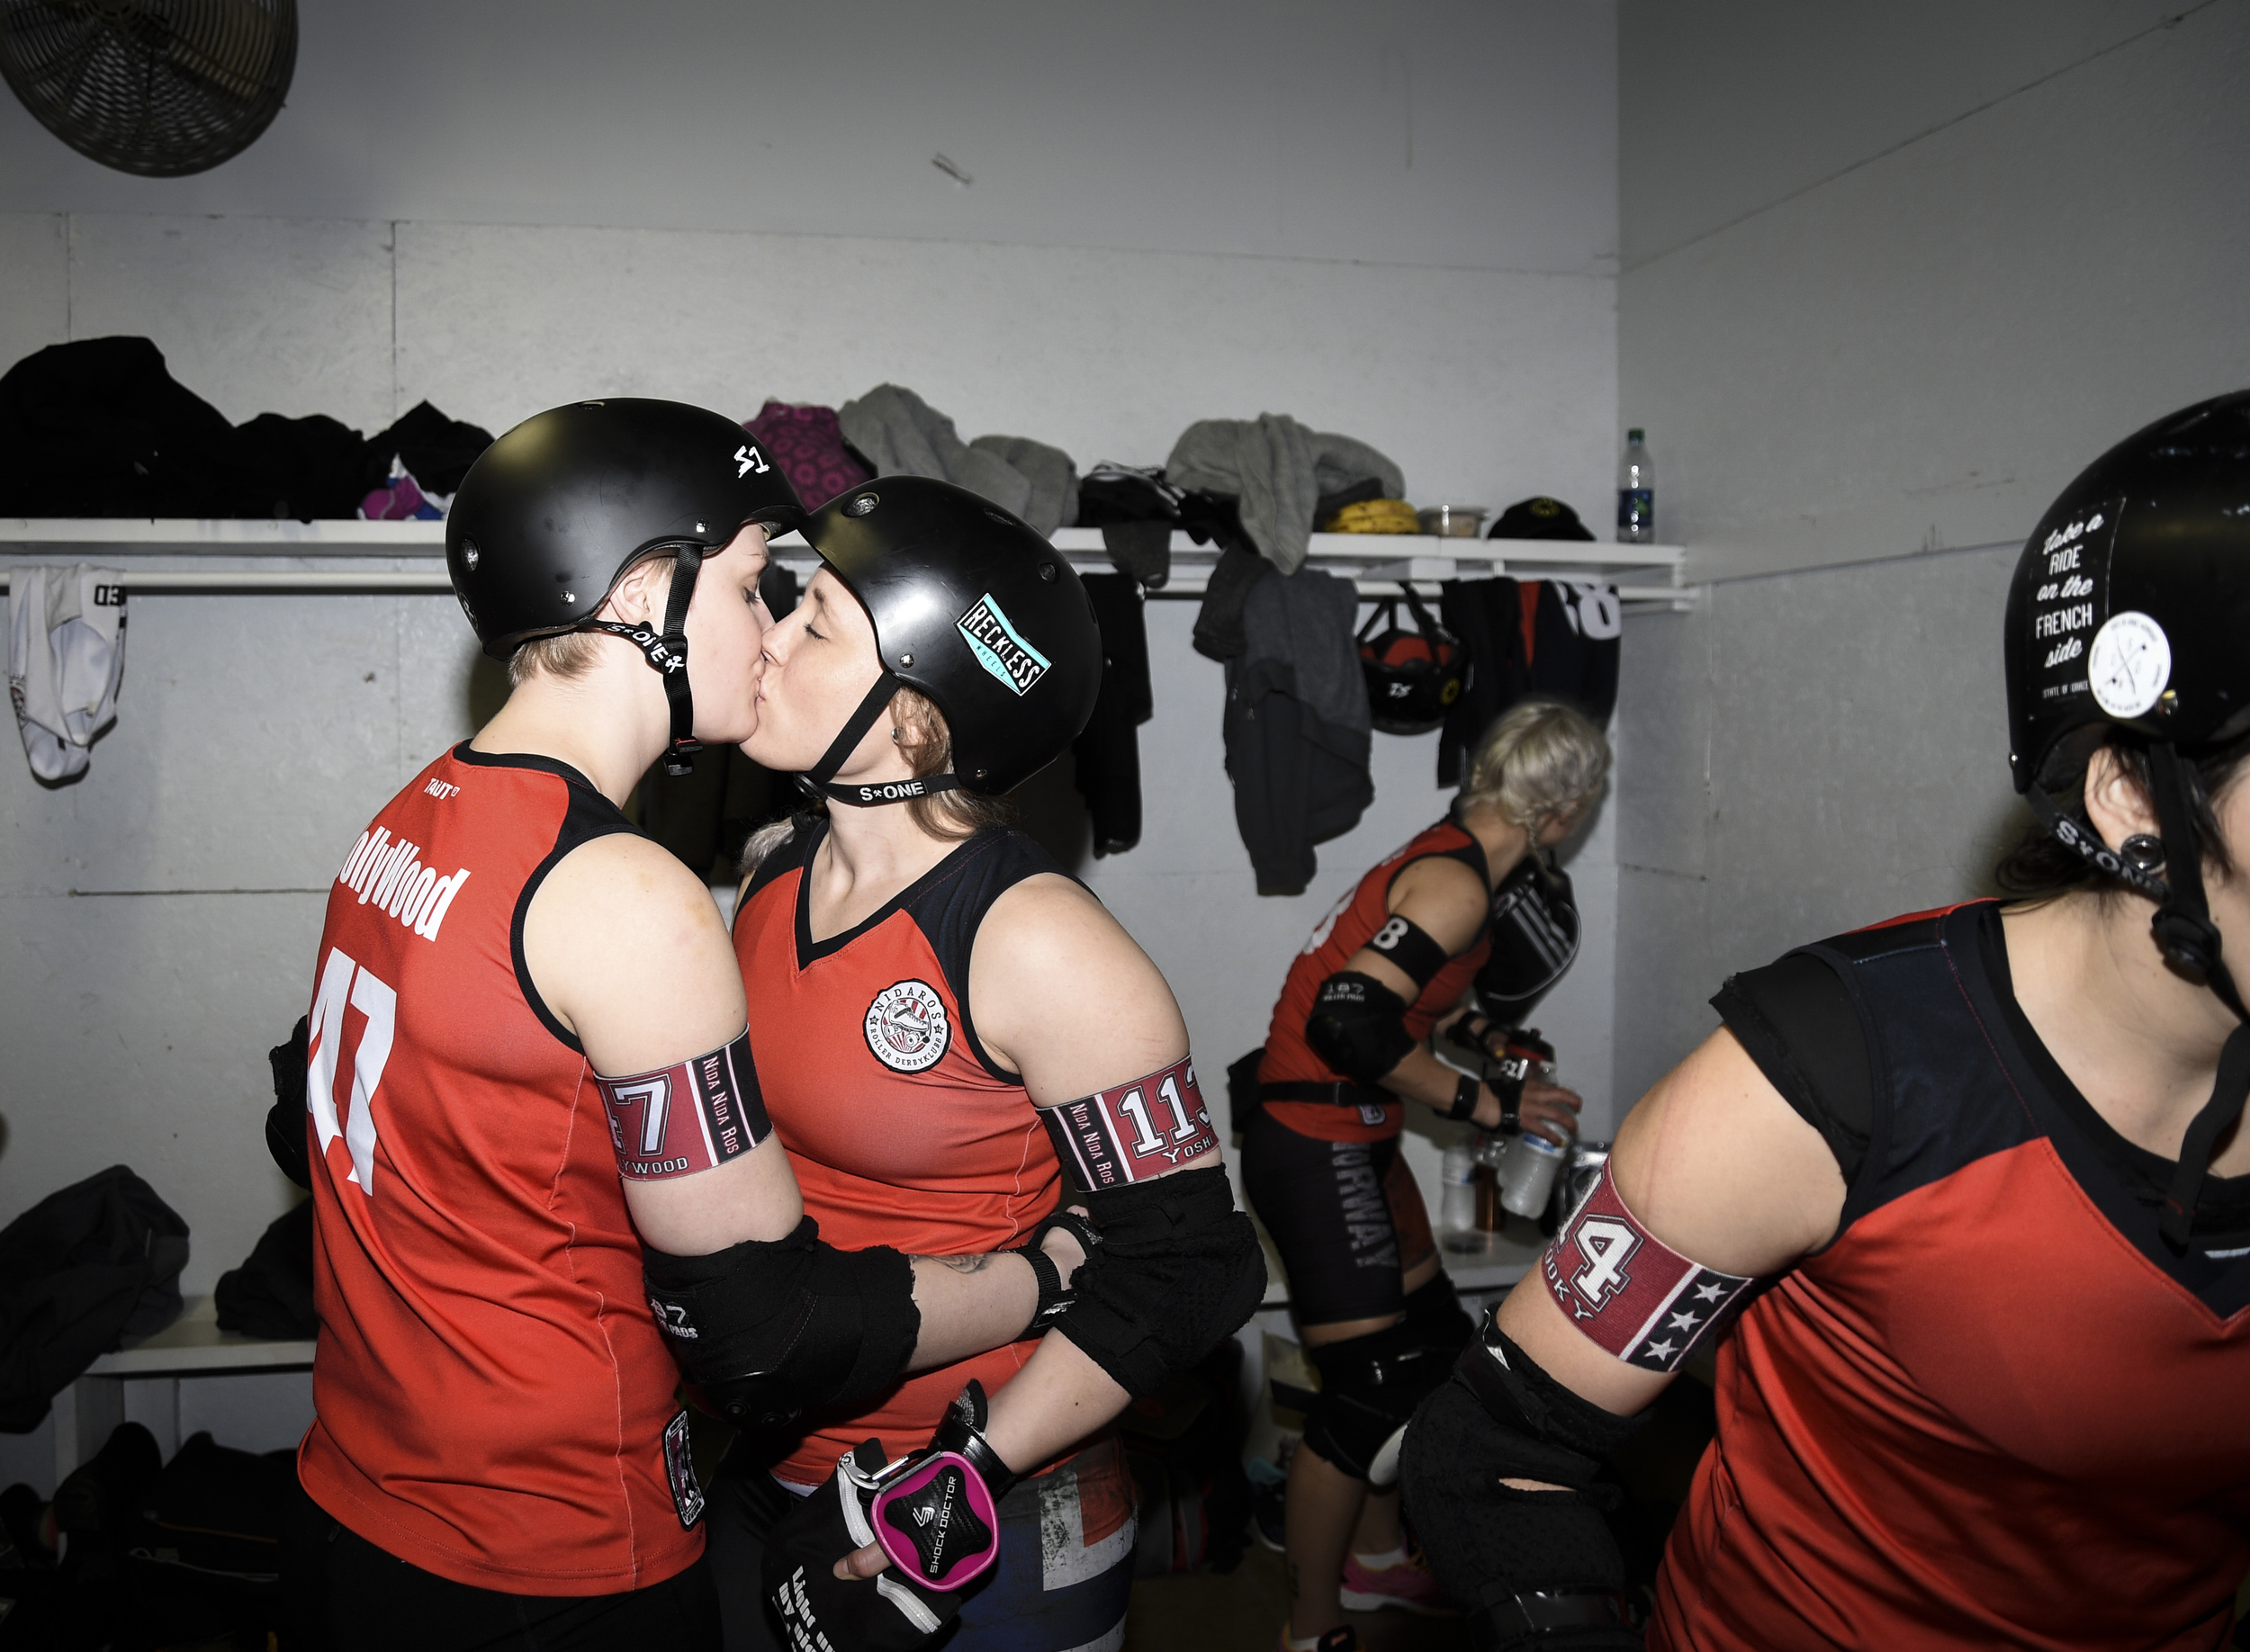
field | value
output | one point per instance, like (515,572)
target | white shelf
(1648,577)
(221,536)
(193,1345)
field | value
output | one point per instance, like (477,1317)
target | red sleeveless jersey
(1997,1410)
(492,1393)
(902,1132)
(1349,926)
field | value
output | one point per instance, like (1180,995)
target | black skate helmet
(2130,605)
(1413,677)
(1535,937)
(551,515)
(972,608)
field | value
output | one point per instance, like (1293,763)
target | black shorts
(373,1599)
(1346,1215)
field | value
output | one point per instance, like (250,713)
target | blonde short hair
(1540,758)
(562,656)
(566,654)
(927,744)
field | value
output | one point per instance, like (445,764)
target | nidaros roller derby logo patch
(906,1026)
(999,647)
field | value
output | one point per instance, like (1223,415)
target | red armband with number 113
(1133,1131)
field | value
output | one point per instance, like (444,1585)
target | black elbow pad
(1358,1026)
(1528,1565)
(765,1328)
(287,1122)
(1178,1270)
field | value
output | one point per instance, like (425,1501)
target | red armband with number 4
(1626,1289)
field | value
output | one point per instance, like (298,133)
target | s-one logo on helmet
(747,458)
(999,647)
(906,1026)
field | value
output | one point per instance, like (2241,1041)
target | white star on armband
(1624,1289)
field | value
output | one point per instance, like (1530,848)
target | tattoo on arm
(960,1265)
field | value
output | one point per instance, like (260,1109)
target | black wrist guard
(962,1432)
(1055,1297)
(1464,1105)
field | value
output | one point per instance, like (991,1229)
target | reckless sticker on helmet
(2129,664)
(906,1026)
(999,647)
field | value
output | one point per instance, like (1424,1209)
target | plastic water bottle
(1457,1181)
(1636,492)
(1527,1174)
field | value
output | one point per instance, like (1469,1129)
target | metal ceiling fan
(158,88)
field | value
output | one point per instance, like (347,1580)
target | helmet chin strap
(820,780)
(2190,941)
(2184,931)
(667,654)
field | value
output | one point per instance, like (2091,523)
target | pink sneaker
(1408,1583)
(1344,1637)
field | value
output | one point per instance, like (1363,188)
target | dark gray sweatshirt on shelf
(1297,725)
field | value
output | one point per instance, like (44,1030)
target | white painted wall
(1427,132)
(1177,216)
(1984,243)
(1893,277)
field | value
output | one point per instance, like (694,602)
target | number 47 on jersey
(343,982)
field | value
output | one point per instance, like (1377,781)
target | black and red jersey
(1997,1409)
(493,1396)
(1349,926)
(903,1131)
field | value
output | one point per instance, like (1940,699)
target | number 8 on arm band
(1132,1131)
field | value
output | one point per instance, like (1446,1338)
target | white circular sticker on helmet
(906,1026)
(2128,665)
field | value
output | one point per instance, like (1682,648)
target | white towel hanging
(65,657)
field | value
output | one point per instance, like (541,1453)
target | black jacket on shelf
(82,1269)
(1554,637)
(1298,728)
(1107,754)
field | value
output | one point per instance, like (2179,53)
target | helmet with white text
(551,515)
(972,608)
(2129,610)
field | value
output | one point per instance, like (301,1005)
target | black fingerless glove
(935,1513)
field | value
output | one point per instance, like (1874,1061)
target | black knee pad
(1369,1387)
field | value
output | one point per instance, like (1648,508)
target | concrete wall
(1430,132)
(1892,278)
(1985,243)
(1324,210)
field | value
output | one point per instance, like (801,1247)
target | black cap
(976,610)
(1539,517)
(552,514)
(2130,603)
